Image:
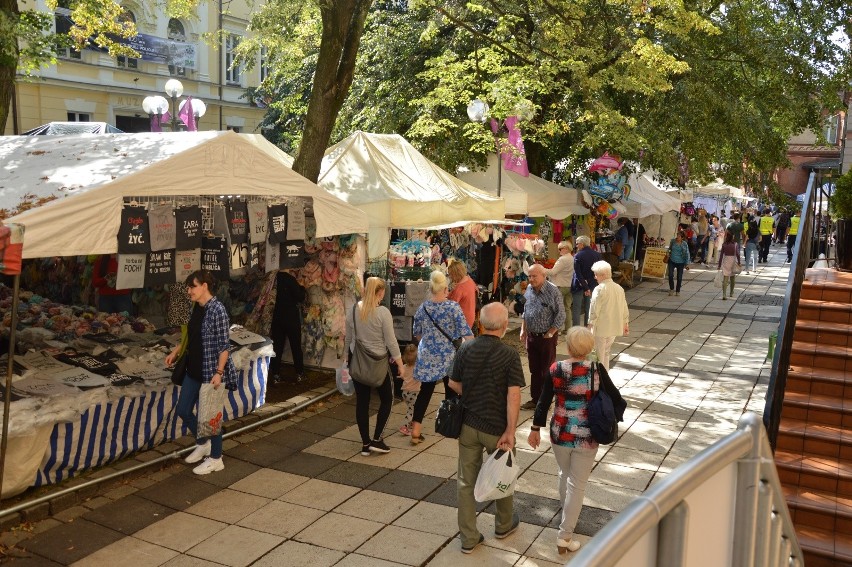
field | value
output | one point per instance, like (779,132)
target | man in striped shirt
(489,373)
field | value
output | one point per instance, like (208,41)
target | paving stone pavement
(298,492)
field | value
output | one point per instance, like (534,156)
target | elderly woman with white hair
(608,314)
(583,281)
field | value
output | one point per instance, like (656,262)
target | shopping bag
(344,382)
(717,281)
(211,403)
(496,477)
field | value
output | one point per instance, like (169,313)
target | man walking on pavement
(792,235)
(544,315)
(767,225)
(561,274)
(490,374)
(583,282)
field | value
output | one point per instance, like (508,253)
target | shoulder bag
(364,366)
(455,342)
(450,417)
(603,422)
(179,367)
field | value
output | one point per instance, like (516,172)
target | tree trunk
(342,27)
(9,51)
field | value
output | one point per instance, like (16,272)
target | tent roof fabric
(647,196)
(93,174)
(67,128)
(531,196)
(386,177)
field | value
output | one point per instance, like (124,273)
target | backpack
(603,422)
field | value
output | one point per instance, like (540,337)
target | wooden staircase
(814,446)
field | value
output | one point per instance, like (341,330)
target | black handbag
(364,366)
(603,422)
(450,417)
(179,370)
(179,367)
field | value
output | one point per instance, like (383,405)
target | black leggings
(362,408)
(424,396)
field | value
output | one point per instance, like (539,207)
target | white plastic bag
(717,281)
(496,477)
(211,405)
(344,381)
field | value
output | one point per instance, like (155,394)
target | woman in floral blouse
(437,323)
(570,437)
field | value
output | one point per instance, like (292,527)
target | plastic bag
(211,404)
(496,477)
(717,281)
(344,382)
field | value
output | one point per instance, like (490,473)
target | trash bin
(773,337)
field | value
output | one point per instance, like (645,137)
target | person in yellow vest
(767,225)
(792,234)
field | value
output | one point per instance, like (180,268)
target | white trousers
(603,348)
(575,466)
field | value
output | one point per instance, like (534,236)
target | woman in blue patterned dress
(570,437)
(435,351)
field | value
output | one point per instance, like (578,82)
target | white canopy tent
(531,196)
(93,174)
(384,176)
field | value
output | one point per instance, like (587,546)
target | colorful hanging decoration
(608,187)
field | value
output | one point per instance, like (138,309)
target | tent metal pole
(7,398)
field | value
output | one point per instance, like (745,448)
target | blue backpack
(603,422)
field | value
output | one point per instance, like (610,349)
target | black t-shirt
(194,364)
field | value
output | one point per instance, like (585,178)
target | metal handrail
(761,510)
(812,226)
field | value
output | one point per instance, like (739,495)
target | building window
(79,117)
(264,64)
(177,33)
(63,22)
(127,62)
(832,126)
(232,71)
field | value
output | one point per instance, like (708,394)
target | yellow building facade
(91,86)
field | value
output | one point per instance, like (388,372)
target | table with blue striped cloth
(110,431)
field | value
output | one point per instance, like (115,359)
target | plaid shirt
(214,341)
(543,309)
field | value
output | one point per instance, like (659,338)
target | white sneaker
(198,453)
(209,465)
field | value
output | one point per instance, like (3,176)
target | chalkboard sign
(654,265)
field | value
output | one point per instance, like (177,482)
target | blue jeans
(187,403)
(580,308)
(672,268)
(750,248)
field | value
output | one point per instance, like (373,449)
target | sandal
(417,440)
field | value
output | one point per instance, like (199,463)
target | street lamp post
(158,105)
(477,111)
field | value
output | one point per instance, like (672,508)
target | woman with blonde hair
(463,290)
(374,328)
(571,381)
(437,324)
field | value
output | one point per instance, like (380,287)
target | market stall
(167,204)
(530,196)
(397,187)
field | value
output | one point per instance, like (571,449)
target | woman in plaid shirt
(207,362)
